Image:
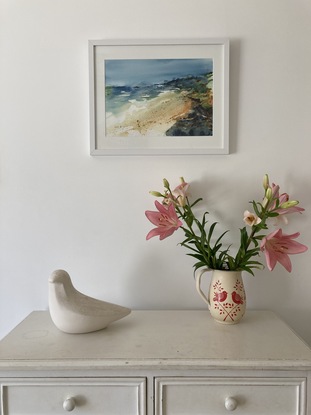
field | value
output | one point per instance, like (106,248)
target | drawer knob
(69,404)
(231,404)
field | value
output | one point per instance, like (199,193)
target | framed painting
(159,97)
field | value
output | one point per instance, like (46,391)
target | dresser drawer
(216,396)
(97,396)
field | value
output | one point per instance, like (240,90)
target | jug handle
(198,277)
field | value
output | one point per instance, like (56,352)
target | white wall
(61,208)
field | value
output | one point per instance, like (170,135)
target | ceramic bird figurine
(74,312)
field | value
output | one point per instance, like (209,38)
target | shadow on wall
(234,98)
(159,281)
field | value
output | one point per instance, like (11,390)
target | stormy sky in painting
(152,71)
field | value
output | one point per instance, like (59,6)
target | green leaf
(247,269)
(221,236)
(210,233)
(272,214)
(256,210)
(196,201)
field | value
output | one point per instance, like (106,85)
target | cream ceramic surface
(74,312)
(226,298)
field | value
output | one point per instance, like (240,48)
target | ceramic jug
(226,297)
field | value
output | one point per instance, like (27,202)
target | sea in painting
(159,97)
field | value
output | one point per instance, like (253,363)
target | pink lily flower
(166,221)
(179,194)
(284,210)
(277,246)
(283,198)
(271,193)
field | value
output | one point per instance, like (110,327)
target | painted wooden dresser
(156,363)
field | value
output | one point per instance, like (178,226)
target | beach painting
(158,97)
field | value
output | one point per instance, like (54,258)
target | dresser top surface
(155,338)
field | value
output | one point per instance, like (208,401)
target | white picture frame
(119,123)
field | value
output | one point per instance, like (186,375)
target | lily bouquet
(176,211)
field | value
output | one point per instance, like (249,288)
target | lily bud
(265,182)
(269,193)
(166,184)
(156,194)
(289,204)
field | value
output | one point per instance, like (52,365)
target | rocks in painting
(198,122)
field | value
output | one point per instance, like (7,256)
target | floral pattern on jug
(229,306)
(226,298)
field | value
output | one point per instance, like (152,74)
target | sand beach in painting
(159,98)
